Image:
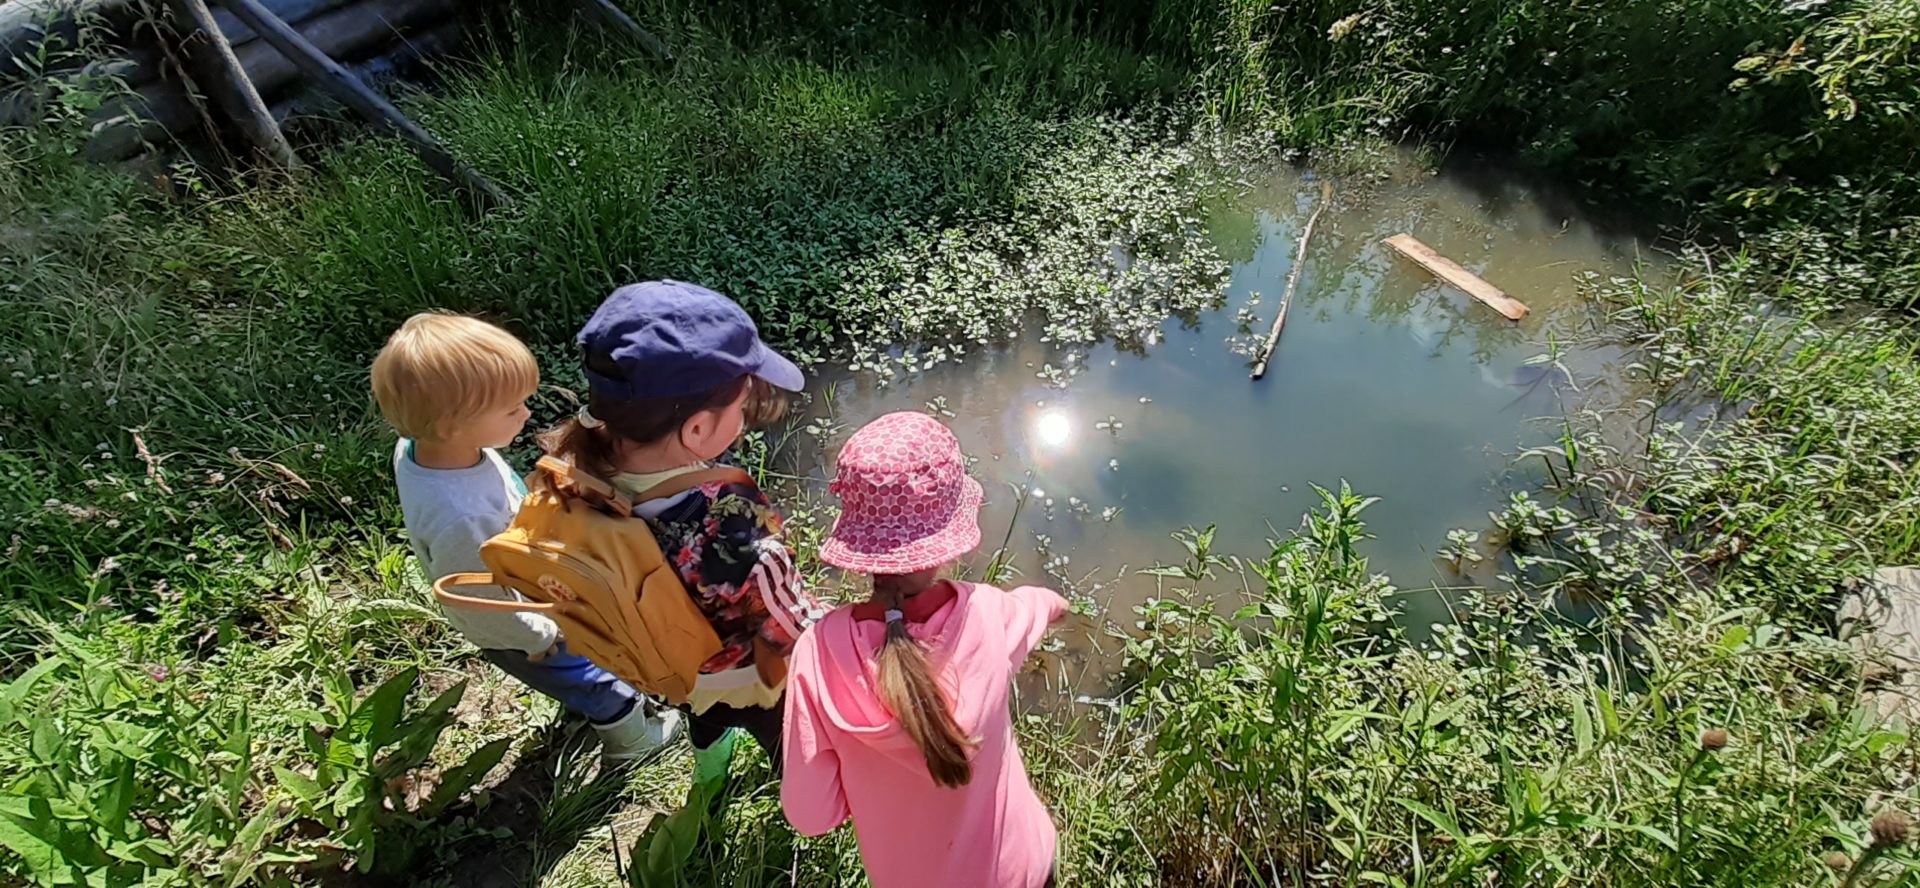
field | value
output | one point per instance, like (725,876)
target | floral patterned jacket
(726,541)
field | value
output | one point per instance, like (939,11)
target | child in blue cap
(675,373)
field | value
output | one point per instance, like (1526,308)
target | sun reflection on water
(1053,430)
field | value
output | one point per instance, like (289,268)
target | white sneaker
(638,735)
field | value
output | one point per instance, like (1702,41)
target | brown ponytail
(909,691)
(597,450)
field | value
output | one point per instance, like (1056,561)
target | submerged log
(1450,271)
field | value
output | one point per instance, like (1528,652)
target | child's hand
(543,655)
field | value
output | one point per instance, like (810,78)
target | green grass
(901,183)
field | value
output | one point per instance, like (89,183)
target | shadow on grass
(537,815)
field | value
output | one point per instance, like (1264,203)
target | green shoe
(711,763)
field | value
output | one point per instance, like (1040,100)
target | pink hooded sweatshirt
(846,756)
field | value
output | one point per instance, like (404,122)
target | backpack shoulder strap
(567,475)
(686,481)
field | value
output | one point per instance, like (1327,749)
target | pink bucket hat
(906,501)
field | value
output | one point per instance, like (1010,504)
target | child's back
(675,373)
(448,514)
(897,709)
(848,756)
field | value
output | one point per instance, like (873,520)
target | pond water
(1404,387)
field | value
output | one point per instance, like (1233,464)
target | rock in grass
(1881,618)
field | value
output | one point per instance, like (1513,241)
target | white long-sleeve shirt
(449,513)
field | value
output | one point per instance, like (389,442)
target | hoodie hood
(849,651)
(847,756)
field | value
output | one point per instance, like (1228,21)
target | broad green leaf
(151,852)
(71,645)
(669,848)
(1440,819)
(1879,741)
(239,739)
(239,746)
(40,808)
(300,785)
(1734,637)
(455,781)
(1448,712)
(243,857)
(375,718)
(1582,728)
(116,799)
(18,689)
(45,740)
(34,844)
(444,702)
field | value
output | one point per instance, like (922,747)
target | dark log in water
(1293,282)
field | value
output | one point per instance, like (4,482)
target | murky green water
(1407,389)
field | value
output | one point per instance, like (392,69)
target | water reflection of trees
(1350,270)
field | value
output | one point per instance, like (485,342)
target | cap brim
(776,369)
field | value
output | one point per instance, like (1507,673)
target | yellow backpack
(582,558)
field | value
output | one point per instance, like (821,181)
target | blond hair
(440,368)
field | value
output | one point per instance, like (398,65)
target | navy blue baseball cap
(671,339)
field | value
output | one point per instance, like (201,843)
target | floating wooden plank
(1451,272)
(350,91)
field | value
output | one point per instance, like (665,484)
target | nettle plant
(1303,738)
(133,774)
(364,785)
(123,775)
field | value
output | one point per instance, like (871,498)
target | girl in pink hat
(897,708)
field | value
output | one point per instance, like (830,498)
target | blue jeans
(573,680)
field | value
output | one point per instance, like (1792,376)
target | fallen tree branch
(1293,281)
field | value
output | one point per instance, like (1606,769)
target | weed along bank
(1558,541)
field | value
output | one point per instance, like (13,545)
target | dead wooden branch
(1293,280)
(220,73)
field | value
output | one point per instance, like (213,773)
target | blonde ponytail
(909,690)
